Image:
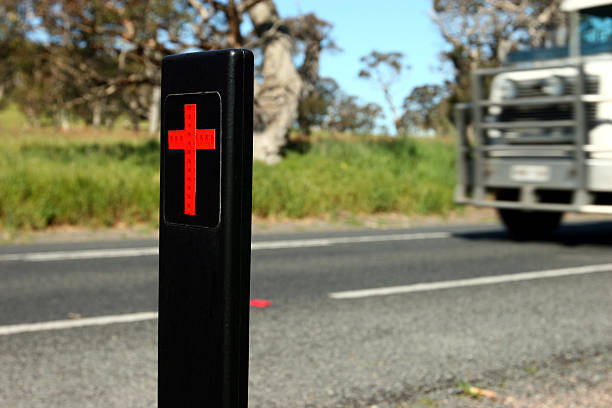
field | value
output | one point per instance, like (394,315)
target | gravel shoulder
(261,226)
(580,380)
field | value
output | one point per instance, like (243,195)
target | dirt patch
(79,234)
(345,220)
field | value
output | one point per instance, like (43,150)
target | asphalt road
(309,348)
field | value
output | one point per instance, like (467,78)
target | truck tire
(530,224)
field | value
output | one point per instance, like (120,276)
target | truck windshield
(595,38)
(596,30)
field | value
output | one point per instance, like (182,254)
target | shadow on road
(571,234)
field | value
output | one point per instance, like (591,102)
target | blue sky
(361,26)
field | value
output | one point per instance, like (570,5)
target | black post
(205,229)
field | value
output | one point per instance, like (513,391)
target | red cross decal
(190,140)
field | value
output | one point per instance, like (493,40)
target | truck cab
(536,141)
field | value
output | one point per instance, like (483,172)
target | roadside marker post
(205,229)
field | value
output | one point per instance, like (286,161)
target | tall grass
(372,176)
(48,181)
(78,183)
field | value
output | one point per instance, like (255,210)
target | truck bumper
(528,178)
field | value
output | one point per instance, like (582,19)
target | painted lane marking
(486,280)
(95,321)
(74,323)
(80,254)
(255,246)
(318,242)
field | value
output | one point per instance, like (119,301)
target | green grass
(78,183)
(93,178)
(376,176)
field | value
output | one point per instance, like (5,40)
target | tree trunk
(110,122)
(61,120)
(134,116)
(64,122)
(96,118)
(154,112)
(278,93)
(31,118)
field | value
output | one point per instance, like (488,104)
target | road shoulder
(579,380)
(261,226)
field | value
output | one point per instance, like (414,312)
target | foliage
(11,46)
(384,68)
(481,33)
(367,176)
(92,60)
(347,114)
(427,109)
(48,180)
(45,183)
(313,109)
(328,107)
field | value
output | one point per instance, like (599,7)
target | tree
(426,108)
(481,33)
(282,85)
(12,43)
(384,69)
(329,107)
(278,93)
(313,37)
(346,114)
(110,52)
(313,109)
(134,36)
(38,88)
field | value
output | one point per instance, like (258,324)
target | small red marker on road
(260,303)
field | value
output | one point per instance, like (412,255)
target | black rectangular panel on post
(205,229)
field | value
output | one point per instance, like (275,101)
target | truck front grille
(533,89)
(537,135)
(537,113)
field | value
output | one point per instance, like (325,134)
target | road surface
(359,318)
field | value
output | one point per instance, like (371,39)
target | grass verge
(50,179)
(78,183)
(367,176)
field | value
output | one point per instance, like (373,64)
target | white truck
(536,141)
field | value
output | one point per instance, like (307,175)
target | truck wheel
(530,224)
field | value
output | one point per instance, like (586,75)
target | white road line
(74,323)
(255,246)
(486,280)
(318,242)
(80,254)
